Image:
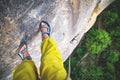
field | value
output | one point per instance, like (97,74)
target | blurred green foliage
(109,17)
(115,35)
(97,40)
(92,73)
(111,56)
(109,72)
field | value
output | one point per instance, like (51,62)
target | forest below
(97,57)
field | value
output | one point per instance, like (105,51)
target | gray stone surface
(67,18)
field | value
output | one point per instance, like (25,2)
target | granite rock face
(68,18)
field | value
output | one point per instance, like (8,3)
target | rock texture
(67,18)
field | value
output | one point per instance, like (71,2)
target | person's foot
(45,29)
(23,52)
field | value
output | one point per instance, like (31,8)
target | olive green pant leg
(25,71)
(52,67)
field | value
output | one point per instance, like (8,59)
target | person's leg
(27,69)
(52,67)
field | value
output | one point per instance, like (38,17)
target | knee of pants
(26,70)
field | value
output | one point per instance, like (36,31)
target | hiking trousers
(51,67)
